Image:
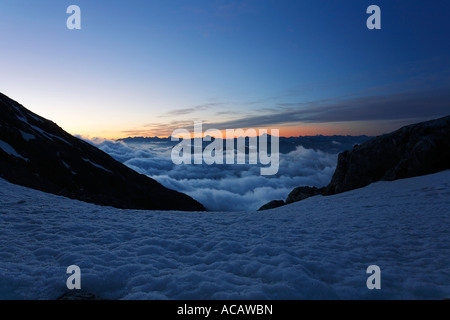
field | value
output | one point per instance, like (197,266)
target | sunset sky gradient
(145,68)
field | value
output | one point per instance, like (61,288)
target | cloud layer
(225,187)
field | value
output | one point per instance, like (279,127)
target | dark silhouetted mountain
(36,153)
(328,144)
(414,150)
(411,151)
(146,140)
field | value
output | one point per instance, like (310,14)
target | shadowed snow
(315,249)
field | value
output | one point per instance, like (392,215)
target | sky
(146,68)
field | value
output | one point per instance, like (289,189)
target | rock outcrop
(272,205)
(302,193)
(414,150)
(36,153)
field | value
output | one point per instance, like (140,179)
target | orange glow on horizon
(284,131)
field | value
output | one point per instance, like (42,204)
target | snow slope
(319,248)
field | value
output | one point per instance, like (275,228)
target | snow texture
(10,150)
(48,135)
(96,165)
(27,136)
(319,248)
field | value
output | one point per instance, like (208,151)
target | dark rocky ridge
(36,153)
(411,151)
(414,150)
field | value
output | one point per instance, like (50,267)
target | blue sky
(149,67)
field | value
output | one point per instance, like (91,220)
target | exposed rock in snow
(272,204)
(302,193)
(411,151)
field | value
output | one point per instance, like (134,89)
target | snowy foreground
(316,249)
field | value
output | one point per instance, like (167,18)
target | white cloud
(226,187)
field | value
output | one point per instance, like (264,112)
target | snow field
(319,248)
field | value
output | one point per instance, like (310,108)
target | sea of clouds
(225,187)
